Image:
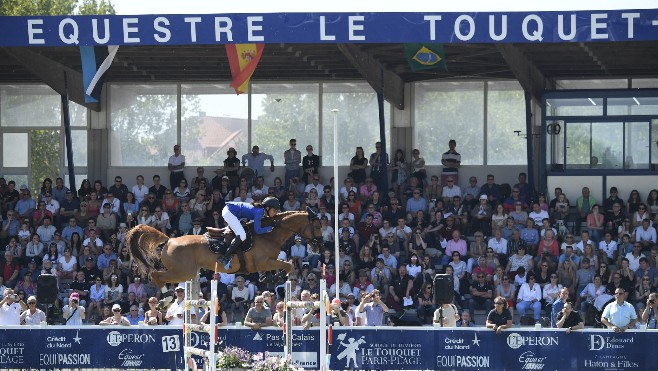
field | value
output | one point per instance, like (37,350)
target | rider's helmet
(272,203)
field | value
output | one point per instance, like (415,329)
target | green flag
(425,56)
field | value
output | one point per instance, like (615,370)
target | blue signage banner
(48,348)
(413,349)
(209,29)
(137,348)
(352,348)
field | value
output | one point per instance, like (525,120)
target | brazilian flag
(425,56)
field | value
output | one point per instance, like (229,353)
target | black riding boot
(235,244)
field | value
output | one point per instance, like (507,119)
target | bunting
(96,60)
(425,56)
(243,59)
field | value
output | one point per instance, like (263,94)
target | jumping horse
(182,257)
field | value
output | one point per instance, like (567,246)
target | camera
(74,301)
(13,297)
(652,301)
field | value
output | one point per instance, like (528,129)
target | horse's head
(306,224)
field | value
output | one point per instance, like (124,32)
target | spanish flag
(243,59)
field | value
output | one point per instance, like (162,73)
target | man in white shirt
(619,315)
(450,190)
(114,202)
(176,311)
(315,183)
(46,231)
(579,248)
(646,234)
(52,205)
(11,309)
(498,243)
(93,241)
(537,214)
(609,246)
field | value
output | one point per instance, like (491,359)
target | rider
(234,211)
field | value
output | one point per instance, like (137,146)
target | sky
(260,6)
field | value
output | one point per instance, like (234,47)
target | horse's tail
(142,241)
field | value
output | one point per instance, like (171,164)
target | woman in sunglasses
(116,319)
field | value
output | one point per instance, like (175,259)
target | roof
(309,62)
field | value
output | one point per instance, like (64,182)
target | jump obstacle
(210,356)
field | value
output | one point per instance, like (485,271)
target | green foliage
(55,7)
(286,116)
(505,114)
(143,130)
(91,7)
(447,111)
(44,156)
(445,115)
(358,125)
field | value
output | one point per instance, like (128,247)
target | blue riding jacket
(245,210)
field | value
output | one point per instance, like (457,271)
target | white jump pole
(209,356)
(290,305)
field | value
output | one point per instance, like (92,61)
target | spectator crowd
(508,248)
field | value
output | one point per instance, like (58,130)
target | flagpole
(336,198)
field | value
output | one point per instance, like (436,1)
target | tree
(55,7)
(45,152)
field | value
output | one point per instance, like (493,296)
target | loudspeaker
(444,289)
(47,291)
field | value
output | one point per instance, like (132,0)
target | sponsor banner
(413,349)
(352,348)
(86,347)
(267,28)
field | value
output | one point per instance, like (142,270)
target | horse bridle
(315,241)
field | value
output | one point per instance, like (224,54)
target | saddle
(216,232)
(217,241)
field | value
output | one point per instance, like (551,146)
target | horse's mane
(283,217)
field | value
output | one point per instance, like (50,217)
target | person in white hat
(176,311)
(481,214)
(32,316)
(116,319)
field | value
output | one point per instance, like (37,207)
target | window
(15,150)
(79,139)
(608,145)
(637,145)
(357,118)
(213,119)
(143,124)
(615,131)
(29,106)
(450,110)
(280,112)
(505,115)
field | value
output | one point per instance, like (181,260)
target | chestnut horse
(182,257)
